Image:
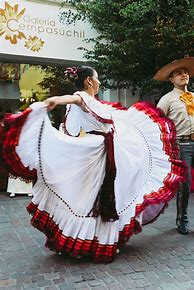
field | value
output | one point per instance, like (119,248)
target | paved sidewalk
(157,258)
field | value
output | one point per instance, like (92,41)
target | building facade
(33,33)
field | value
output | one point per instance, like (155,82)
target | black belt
(186,137)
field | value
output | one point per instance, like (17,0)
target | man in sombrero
(178,105)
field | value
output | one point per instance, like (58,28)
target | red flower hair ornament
(71,73)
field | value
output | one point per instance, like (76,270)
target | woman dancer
(93,193)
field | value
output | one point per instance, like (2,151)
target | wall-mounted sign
(34,30)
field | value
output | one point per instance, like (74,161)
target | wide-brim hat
(164,73)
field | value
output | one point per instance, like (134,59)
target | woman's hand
(51,103)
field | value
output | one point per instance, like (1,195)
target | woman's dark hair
(78,75)
(82,73)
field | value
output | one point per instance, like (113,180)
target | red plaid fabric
(57,241)
(13,126)
(4,170)
(133,228)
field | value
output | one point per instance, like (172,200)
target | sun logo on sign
(34,43)
(9,23)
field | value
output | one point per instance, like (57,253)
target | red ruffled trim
(105,253)
(116,105)
(168,137)
(178,167)
(57,241)
(13,126)
(4,170)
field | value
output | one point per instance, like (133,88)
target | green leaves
(136,37)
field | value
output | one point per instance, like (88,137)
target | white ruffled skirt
(70,172)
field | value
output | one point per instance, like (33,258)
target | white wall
(125,96)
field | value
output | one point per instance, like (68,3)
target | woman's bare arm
(52,102)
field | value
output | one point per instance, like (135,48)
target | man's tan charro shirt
(176,110)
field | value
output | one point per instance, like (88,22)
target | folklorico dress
(92,193)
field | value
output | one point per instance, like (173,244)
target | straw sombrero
(164,73)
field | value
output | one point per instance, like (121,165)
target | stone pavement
(157,258)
